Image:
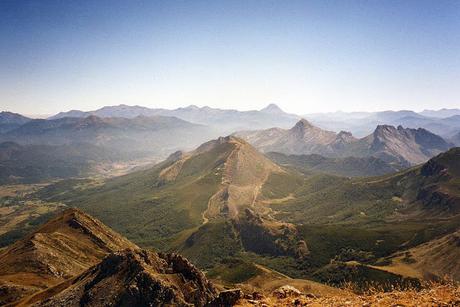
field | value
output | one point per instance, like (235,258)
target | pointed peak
(272,108)
(303,123)
(382,128)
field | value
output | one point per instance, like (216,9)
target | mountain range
(444,122)
(225,200)
(279,208)
(41,163)
(132,137)
(10,121)
(226,121)
(402,146)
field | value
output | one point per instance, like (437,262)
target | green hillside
(226,201)
(348,167)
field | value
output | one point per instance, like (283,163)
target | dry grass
(432,294)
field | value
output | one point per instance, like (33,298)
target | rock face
(303,138)
(60,249)
(135,278)
(397,145)
(75,260)
(286,291)
(404,145)
(269,237)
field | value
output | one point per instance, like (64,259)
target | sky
(305,56)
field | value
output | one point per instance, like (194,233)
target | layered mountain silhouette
(443,122)
(456,139)
(399,145)
(225,199)
(38,163)
(226,121)
(134,137)
(10,121)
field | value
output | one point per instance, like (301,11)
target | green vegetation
(212,243)
(349,166)
(234,270)
(142,206)
(19,216)
(340,219)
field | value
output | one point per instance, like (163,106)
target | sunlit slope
(430,191)
(63,247)
(164,204)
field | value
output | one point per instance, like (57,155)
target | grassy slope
(374,216)
(145,209)
(334,215)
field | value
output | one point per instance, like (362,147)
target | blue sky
(306,56)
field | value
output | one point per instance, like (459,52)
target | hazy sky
(306,56)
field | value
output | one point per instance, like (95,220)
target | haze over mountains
(277,200)
(227,200)
(445,122)
(225,120)
(399,145)
(121,134)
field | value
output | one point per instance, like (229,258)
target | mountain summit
(391,144)
(273,109)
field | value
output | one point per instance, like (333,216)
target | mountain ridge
(394,145)
(61,248)
(226,120)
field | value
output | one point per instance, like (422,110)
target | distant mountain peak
(384,129)
(272,108)
(302,124)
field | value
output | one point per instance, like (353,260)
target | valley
(213,205)
(229,153)
(256,211)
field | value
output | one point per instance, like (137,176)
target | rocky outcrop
(391,144)
(136,278)
(270,237)
(60,249)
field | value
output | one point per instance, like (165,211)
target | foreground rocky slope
(60,249)
(132,278)
(432,295)
(225,202)
(75,260)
